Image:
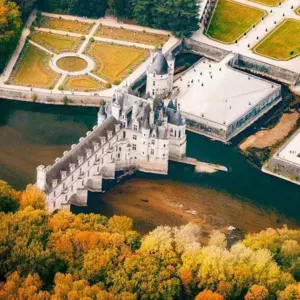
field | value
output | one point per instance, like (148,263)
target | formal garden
(134,36)
(268,2)
(282,43)
(115,62)
(231,20)
(32,69)
(65,25)
(55,42)
(71,63)
(83,83)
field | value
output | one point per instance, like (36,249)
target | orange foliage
(209,295)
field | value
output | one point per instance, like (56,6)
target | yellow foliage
(291,292)
(120,224)
(209,295)
(33,196)
(257,292)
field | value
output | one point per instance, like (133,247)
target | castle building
(160,75)
(131,133)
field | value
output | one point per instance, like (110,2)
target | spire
(159,64)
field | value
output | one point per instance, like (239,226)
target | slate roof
(159,64)
(79,150)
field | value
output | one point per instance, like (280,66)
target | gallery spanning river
(34,134)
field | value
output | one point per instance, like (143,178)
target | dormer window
(72,167)
(96,146)
(103,140)
(80,160)
(63,174)
(109,135)
(88,152)
(54,183)
(117,127)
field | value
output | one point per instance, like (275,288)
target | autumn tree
(10,30)
(33,196)
(257,292)
(18,288)
(209,295)
(9,198)
(291,292)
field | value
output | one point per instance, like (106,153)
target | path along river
(34,134)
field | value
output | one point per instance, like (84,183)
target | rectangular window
(152,142)
(124,134)
(152,151)
(134,146)
(134,137)
(135,127)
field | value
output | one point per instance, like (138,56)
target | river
(33,134)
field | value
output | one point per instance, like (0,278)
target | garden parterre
(282,43)
(232,19)
(114,62)
(32,69)
(84,83)
(66,25)
(122,34)
(55,42)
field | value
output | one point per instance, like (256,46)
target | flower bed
(66,25)
(82,83)
(55,42)
(32,69)
(134,36)
(115,62)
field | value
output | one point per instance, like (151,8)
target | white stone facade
(131,133)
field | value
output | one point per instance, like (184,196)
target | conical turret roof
(159,64)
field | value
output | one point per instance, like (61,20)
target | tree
(217,239)
(33,196)
(291,292)
(257,292)
(17,287)
(10,30)
(26,6)
(209,295)
(9,198)
(121,8)
(179,16)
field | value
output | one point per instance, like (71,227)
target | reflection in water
(33,134)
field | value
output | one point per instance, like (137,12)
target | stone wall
(283,168)
(258,67)
(202,49)
(50,98)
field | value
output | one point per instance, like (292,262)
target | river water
(34,134)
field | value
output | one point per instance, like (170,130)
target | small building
(219,101)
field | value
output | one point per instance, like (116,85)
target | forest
(89,256)
(178,16)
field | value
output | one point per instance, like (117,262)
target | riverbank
(151,203)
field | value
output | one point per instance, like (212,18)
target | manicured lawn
(122,34)
(71,64)
(83,83)
(282,43)
(33,69)
(115,62)
(55,42)
(231,20)
(268,2)
(66,25)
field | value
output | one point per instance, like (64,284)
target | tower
(101,115)
(160,75)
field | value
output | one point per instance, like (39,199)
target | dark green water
(33,134)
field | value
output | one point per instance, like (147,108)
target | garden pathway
(41,47)
(260,31)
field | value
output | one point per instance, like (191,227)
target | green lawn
(231,20)
(282,43)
